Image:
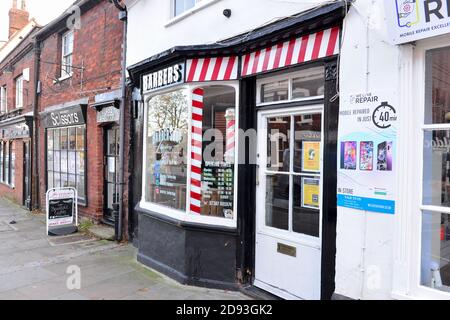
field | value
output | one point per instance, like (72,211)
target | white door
(289,202)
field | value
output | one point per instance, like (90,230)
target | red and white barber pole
(196,152)
(231,136)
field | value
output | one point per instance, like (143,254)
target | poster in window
(311,156)
(218,193)
(311,193)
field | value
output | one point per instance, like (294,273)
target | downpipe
(120,216)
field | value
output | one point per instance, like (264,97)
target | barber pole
(196,152)
(231,136)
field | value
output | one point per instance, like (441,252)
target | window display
(167,150)
(206,126)
(435,238)
(66,159)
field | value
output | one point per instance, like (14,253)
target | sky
(42,10)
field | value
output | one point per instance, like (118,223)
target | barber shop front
(238,182)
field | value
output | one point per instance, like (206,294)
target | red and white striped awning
(298,50)
(212,69)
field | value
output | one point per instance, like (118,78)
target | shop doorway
(26,175)
(289,202)
(111,173)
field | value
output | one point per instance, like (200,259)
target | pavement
(79,267)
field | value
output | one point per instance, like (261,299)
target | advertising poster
(311,193)
(367,152)
(411,20)
(311,156)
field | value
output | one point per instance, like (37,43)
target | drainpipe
(119,220)
(35,153)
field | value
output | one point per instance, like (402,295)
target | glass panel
(81,162)
(310,83)
(72,181)
(277,201)
(182,6)
(64,161)
(81,188)
(50,140)
(64,139)
(437,107)
(306,210)
(278,144)
(71,162)
(166,143)
(435,266)
(50,160)
(275,91)
(80,138)
(50,179)
(57,139)
(57,178)
(57,161)
(72,139)
(308,137)
(436,178)
(219,125)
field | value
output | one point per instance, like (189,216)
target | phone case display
(348,155)
(385,156)
(366,156)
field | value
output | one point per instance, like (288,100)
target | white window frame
(64,55)
(408,220)
(283,77)
(186,216)
(19,92)
(199,5)
(3,99)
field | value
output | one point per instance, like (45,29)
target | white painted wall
(364,265)
(365,248)
(149,34)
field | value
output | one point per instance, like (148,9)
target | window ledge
(61,79)
(193,10)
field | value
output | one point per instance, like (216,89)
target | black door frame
(247,177)
(107,219)
(26,144)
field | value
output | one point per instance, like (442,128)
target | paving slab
(35,267)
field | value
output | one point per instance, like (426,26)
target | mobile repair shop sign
(411,20)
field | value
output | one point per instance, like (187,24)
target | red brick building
(17,106)
(79,106)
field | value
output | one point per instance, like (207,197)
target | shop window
(19,92)
(66,159)
(435,266)
(3,100)
(167,150)
(7,162)
(301,85)
(205,125)
(67,54)
(12,164)
(2,162)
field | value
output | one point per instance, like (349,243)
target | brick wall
(22,57)
(97,47)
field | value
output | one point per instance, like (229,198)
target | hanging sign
(61,205)
(108,114)
(163,78)
(411,20)
(367,152)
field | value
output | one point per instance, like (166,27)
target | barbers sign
(411,20)
(163,78)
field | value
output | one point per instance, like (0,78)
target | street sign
(62,211)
